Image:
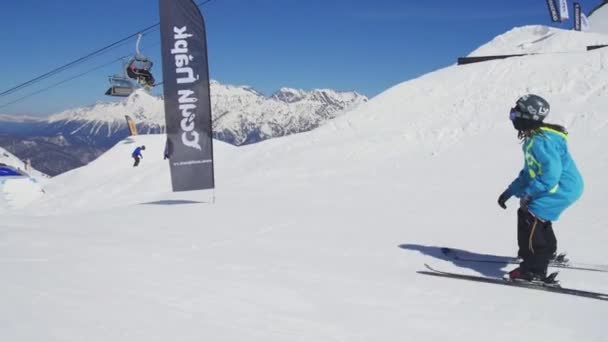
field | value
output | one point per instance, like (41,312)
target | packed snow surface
(598,20)
(318,236)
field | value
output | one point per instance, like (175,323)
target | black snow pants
(537,242)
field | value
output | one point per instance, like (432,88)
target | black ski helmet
(530,107)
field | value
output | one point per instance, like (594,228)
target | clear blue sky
(362,45)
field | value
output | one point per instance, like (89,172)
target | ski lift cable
(84,58)
(67,66)
(62,82)
(121,59)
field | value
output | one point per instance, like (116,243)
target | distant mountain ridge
(241,115)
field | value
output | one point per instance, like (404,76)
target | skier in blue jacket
(137,154)
(547,185)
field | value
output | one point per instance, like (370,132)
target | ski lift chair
(119,86)
(138,69)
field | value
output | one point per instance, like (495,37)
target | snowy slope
(598,19)
(112,180)
(9,159)
(318,236)
(540,39)
(19,191)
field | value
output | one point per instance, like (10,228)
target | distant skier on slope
(546,186)
(137,154)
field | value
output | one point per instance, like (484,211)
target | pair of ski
(537,285)
(560,262)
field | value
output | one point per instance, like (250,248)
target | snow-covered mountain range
(241,115)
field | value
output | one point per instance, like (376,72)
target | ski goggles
(514,114)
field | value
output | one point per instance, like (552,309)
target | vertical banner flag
(563,10)
(553,12)
(131,125)
(577,16)
(187,98)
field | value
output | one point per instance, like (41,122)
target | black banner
(577,16)
(553,12)
(187,99)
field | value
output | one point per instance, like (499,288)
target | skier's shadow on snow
(491,265)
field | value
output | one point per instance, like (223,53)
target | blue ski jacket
(549,177)
(136,152)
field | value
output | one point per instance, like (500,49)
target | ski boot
(550,279)
(519,274)
(538,278)
(560,259)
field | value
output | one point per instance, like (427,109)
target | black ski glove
(503,198)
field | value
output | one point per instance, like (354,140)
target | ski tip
(428,267)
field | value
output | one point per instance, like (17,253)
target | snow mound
(539,39)
(111,180)
(440,108)
(18,192)
(9,159)
(598,19)
(21,187)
